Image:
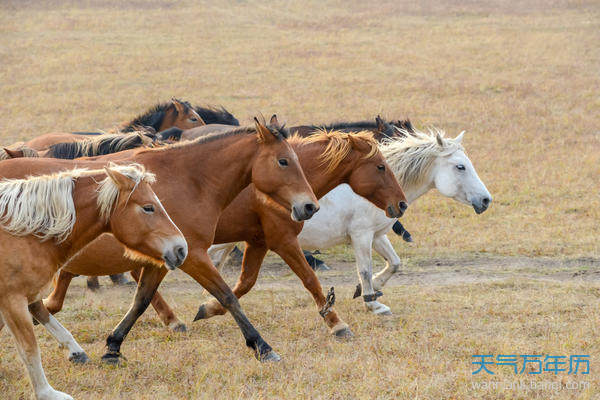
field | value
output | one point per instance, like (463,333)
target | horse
(196,180)
(175,113)
(328,159)
(46,219)
(381,129)
(421,161)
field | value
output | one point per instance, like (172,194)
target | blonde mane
(411,157)
(43,205)
(339,145)
(27,152)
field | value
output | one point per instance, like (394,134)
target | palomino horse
(196,181)
(176,113)
(421,162)
(48,218)
(328,159)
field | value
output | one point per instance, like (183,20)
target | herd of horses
(87,203)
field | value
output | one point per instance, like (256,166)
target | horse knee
(52,305)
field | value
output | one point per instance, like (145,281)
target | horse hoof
(113,358)
(178,327)
(344,333)
(201,314)
(322,266)
(357,291)
(384,313)
(79,358)
(271,356)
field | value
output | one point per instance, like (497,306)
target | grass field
(522,79)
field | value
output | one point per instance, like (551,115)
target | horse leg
(120,280)
(289,249)
(55,300)
(16,316)
(251,262)
(62,335)
(382,245)
(147,285)
(362,249)
(92,283)
(164,311)
(201,269)
(218,254)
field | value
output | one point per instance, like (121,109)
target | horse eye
(148,208)
(194,119)
(381,167)
(460,167)
(283,162)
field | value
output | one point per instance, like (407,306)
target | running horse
(47,218)
(328,159)
(176,113)
(196,181)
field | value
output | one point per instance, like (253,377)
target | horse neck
(168,120)
(414,191)
(218,169)
(320,180)
(89,224)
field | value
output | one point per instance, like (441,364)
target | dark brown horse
(328,159)
(175,113)
(196,181)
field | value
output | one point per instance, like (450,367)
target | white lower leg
(385,249)
(63,336)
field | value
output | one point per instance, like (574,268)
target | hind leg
(16,316)
(62,335)
(61,282)
(382,245)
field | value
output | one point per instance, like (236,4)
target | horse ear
(179,107)
(380,124)
(359,144)
(14,153)
(145,139)
(264,133)
(273,121)
(122,181)
(439,139)
(459,138)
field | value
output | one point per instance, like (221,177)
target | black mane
(216,115)
(153,117)
(88,148)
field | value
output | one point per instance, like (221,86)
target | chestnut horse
(46,219)
(176,113)
(328,159)
(197,180)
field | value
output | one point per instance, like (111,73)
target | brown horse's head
(139,220)
(183,116)
(373,179)
(277,172)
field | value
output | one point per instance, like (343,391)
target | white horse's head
(454,175)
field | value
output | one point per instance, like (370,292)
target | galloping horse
(421,161)
(176,113)
(197,180)
(46,219)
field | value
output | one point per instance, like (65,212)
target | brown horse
(196,181)
(328,159)
(48,218)
(175,113)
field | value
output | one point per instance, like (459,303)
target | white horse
(421,161)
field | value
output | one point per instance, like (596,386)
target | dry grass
(522,79)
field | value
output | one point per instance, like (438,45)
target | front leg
(62,335)
(382,245)
(199,267)
(56,299)
(151,277)
(364,265)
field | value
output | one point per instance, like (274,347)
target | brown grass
(523,80)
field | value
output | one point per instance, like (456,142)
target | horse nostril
(403,206)
(486,201)
(180,252)
(310,208)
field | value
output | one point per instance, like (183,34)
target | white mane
(411,157)
(43,205)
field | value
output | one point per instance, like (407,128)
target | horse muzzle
(396,212)
(481,204)
(175,254)
(304,211)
